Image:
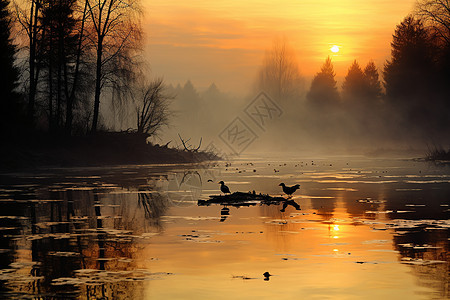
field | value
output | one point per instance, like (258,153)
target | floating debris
(418,247)
(92,277)
(13,217)
(389,211)
(383,250)
(371,242)
(292,258)
(371,201)
(241,199)
(419,261)
(64,254)
(277,222)
(243,277)
(335,244)
(342,189)
(199,218)
(427,181)
(198,238)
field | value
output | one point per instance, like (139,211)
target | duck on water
(289,190)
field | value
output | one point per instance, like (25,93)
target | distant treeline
(408,100)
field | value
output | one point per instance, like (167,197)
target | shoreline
(101,150)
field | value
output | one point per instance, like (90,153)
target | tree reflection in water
(72,238)
(155,205)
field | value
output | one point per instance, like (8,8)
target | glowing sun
(334,49)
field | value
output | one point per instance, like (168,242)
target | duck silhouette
(223,188)
(289,190)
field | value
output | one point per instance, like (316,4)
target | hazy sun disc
(334,49)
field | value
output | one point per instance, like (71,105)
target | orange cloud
(218,41)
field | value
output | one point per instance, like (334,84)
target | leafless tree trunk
(70,96)
(31,24)
(116,31)
(280,75)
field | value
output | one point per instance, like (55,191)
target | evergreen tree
(355,83)
(189,100)
(371,75)
(9,73)
(409,72)
(189,91)
(323,91)
(436,17)
(411,80)
(60,52)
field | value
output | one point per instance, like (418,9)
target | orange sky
(223,41)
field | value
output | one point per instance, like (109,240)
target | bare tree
(29,15)
(80,50)
(436,13)
(280,73)
(152,108)
(116,33)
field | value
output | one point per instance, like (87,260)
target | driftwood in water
(241,199)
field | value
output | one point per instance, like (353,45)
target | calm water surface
(367,229)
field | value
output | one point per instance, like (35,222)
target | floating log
(241,199)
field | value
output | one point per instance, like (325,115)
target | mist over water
(373,110)
(302,126)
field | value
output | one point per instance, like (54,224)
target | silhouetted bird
(224,188)
(289,190)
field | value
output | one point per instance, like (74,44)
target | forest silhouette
(405,102)
(71,60)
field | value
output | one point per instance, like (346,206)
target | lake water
(367,229)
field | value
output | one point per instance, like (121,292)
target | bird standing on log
(223,188)
(289,190)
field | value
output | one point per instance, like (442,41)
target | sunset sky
(224,41)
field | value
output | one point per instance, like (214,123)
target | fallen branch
(188,147)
